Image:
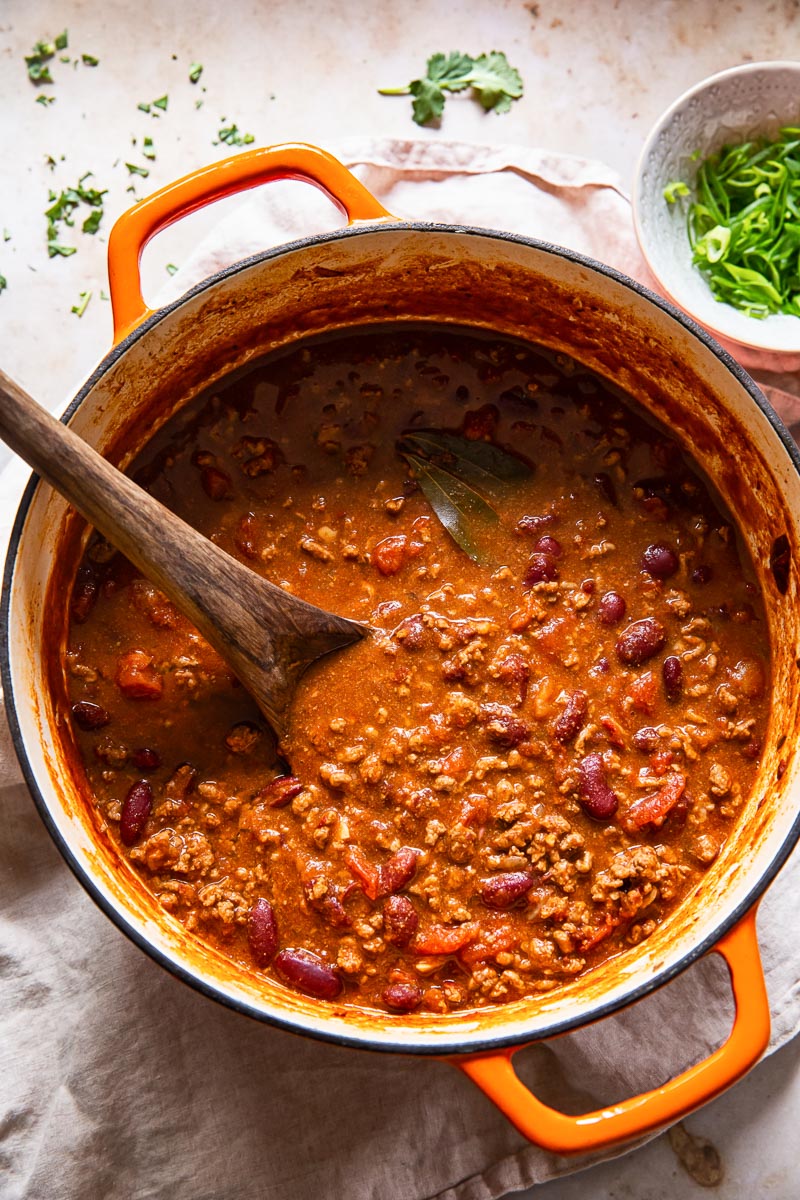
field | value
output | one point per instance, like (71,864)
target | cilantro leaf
(161,103)
(62,41)
(231,135)
(494,82)
(428,102)
(451,71)
(92,222)
(134,170)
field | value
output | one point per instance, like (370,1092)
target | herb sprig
(492,78)
(743,221)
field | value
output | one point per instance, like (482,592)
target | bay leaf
(466,515)
(483,465)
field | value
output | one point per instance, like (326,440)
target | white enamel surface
(746,101)
(509,278)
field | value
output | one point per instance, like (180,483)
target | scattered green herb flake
(55,248)
(3,283)
(493,80)
(89,60)
(231,135)
(65,58)
(103,295)
(92,222)
(62,41)
(80,308)
(45,101)
(147,148)
(171,268)
(161,103)
(195,71)
(143,107)
(134,170)
(743,223)
(198,103)
(6,235)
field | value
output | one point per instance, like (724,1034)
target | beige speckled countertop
(597,75)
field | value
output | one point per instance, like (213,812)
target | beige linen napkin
(116,1081)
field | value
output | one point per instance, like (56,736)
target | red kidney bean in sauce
(460,795)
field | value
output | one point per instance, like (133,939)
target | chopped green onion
(143,107)
(743,221)
(148,150)
(171,268)
(161,103)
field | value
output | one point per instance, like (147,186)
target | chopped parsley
(62,212)
(195,71)
(89,60)
(231,135)
(62,41)
(80,308)
(37,60)
(45,101)
(493,80)
(134,170)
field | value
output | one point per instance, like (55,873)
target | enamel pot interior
(393,273)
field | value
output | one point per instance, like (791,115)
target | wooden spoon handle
(265,634)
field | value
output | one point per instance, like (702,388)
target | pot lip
(449,1043)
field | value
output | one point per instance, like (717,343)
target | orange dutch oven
(380,269)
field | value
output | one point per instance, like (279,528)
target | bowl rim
(716,328)
(451,1042)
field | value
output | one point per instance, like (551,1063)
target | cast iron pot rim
(449,1044)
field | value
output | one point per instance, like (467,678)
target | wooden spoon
(267,636)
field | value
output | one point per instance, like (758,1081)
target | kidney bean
(502,727)
(397,871)
(262,932)
(400,920)
(216,483)
(84,593)
(641,640)
(281,791)
(501,891)
(646,739)
(672,674)
(90,716)
(596,798)
(531,525)
(404,997)
(702,574)
(660,560)
(305,971)
(547,544)
(135,811)
(611,608)
(541,568)
(146,759)
(572,719)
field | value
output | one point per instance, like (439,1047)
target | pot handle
(134,229)
(630,1119)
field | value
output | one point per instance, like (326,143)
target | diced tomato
(594,937)
(655,808)
(364,870)
(137,677)
(389,555)
(643,692)
(444,939)
(489,943)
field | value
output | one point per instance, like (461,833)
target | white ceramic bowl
(733,106)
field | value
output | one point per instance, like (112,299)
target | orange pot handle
(630,1119)
(134,229)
